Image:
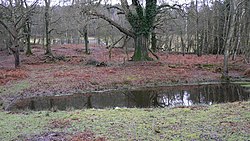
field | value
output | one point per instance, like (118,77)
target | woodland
(64,47)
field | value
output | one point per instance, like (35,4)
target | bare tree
(14,20)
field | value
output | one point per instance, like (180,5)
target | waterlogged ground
(217,122)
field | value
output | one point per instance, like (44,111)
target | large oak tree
(141,17)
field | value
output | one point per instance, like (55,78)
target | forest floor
(72,70)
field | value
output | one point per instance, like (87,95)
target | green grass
(14,88)
(224,121)
(243,84)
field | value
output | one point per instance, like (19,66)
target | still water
(140,98)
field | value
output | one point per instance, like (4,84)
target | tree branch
(119,27)
(175,6)
(115,7)
(7,28)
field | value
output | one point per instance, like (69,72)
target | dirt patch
(60,123)
(50,136)
(61,136)
(86,136)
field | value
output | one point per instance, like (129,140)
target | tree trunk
(246,34)
(47,28)
(16,52)
(238,31)
(153,42)
(183,46)
(34,42)
(197,28)
(170,43)
(16,55)
(28,29)
(141,48)
(230,34)
(86,41)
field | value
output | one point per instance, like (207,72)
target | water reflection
(141,98)
(204,94)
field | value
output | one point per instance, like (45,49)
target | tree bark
(153,42)
(229,38)
(16,51)
(47,28)
(197,28)
(141,48)
(28,32)
(17,58)
(183,46)
(86,41)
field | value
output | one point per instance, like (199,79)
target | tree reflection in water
(140,98)
(186,96)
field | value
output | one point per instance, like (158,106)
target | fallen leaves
(11,74)
(75,74)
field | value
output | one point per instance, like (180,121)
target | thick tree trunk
(141,48)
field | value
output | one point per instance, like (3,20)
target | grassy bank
(217,122)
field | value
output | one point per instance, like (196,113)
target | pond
(185,95)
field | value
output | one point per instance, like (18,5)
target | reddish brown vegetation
(68,72)
(11,74)
(86,136)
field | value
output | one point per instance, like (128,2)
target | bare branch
(51,30)
(7,28)
(175,6)
(120,13)
(55,21)
(118,26)
(115,7)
